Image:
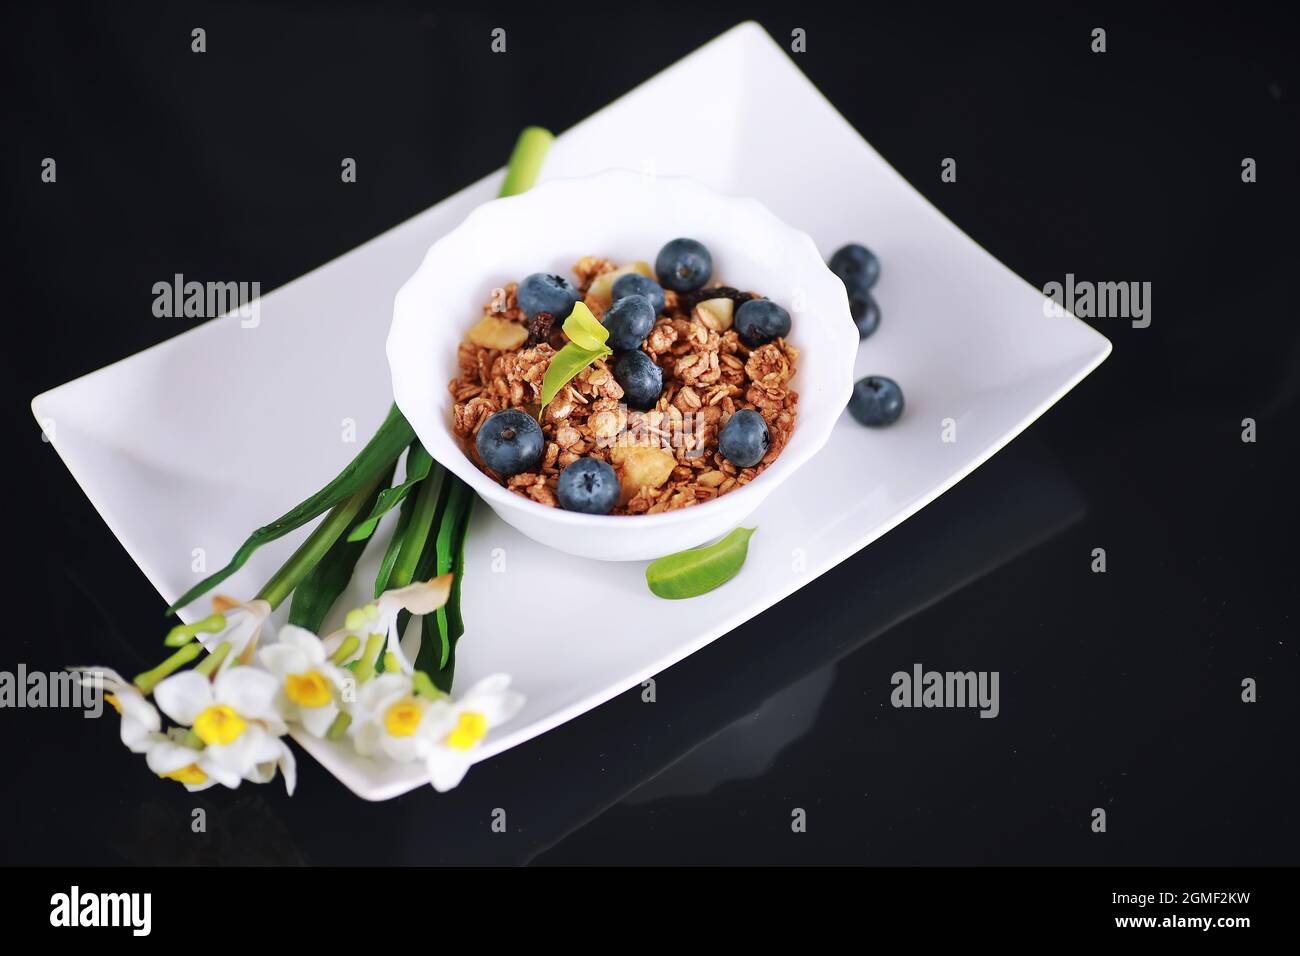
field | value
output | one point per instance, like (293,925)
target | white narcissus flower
(172,756)
(457,726)
(395,721)
(310,688)
(380,617)
(234,716)
(140,720)
(387,719)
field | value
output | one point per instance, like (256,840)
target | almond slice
(715,314)
(494,332)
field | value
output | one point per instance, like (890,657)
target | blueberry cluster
(858,268)
(876,400)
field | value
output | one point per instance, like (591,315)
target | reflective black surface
(1119,690)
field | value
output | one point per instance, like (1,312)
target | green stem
(365,668)
(425,687)
(426,506)
(209,664)
(340,726)
(182,634)
(526,160)
(314,548)
(345,650)
(147,681)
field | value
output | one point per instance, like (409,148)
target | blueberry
(510,441)
(744,440)
(629,321)
(876,401)
(858,263)
(759,321)
(865,312)
(541,292)
(588,485)
(636,284)
(683,265)
(642,380)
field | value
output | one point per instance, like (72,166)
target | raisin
(539,329)
(689,300)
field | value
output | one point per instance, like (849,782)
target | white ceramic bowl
(623,216)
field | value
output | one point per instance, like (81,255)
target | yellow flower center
(403,718)
(191,775)
(309,689)
(112,702)
(219,725)
(469,730)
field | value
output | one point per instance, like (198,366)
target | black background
(1119,690)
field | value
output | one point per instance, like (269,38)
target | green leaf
(584,330)
(437,633)
(408,537)
(429,500)
(688,574)
(418,463)
(371,462)
(566,363)
(317,592)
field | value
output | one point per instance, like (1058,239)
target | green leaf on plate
(418,463)
(376,457)
(688,574)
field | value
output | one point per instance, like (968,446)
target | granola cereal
(666,457)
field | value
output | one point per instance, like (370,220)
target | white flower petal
(166,756)
(317,720)
(423,597)
(447,768)
(492,684)
(365,739)
(284,659)
(241,754)
(405,749)
(183,696)
(218,774)
(288,767)
(138,737)
(379,689)
(304,640)
(249,691)
(496,706)
(138,710)
(105,677)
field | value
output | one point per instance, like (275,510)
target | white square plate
(191,444)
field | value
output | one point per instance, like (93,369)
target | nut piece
(715,314)
(641,467)
(492,332)
(601,293)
